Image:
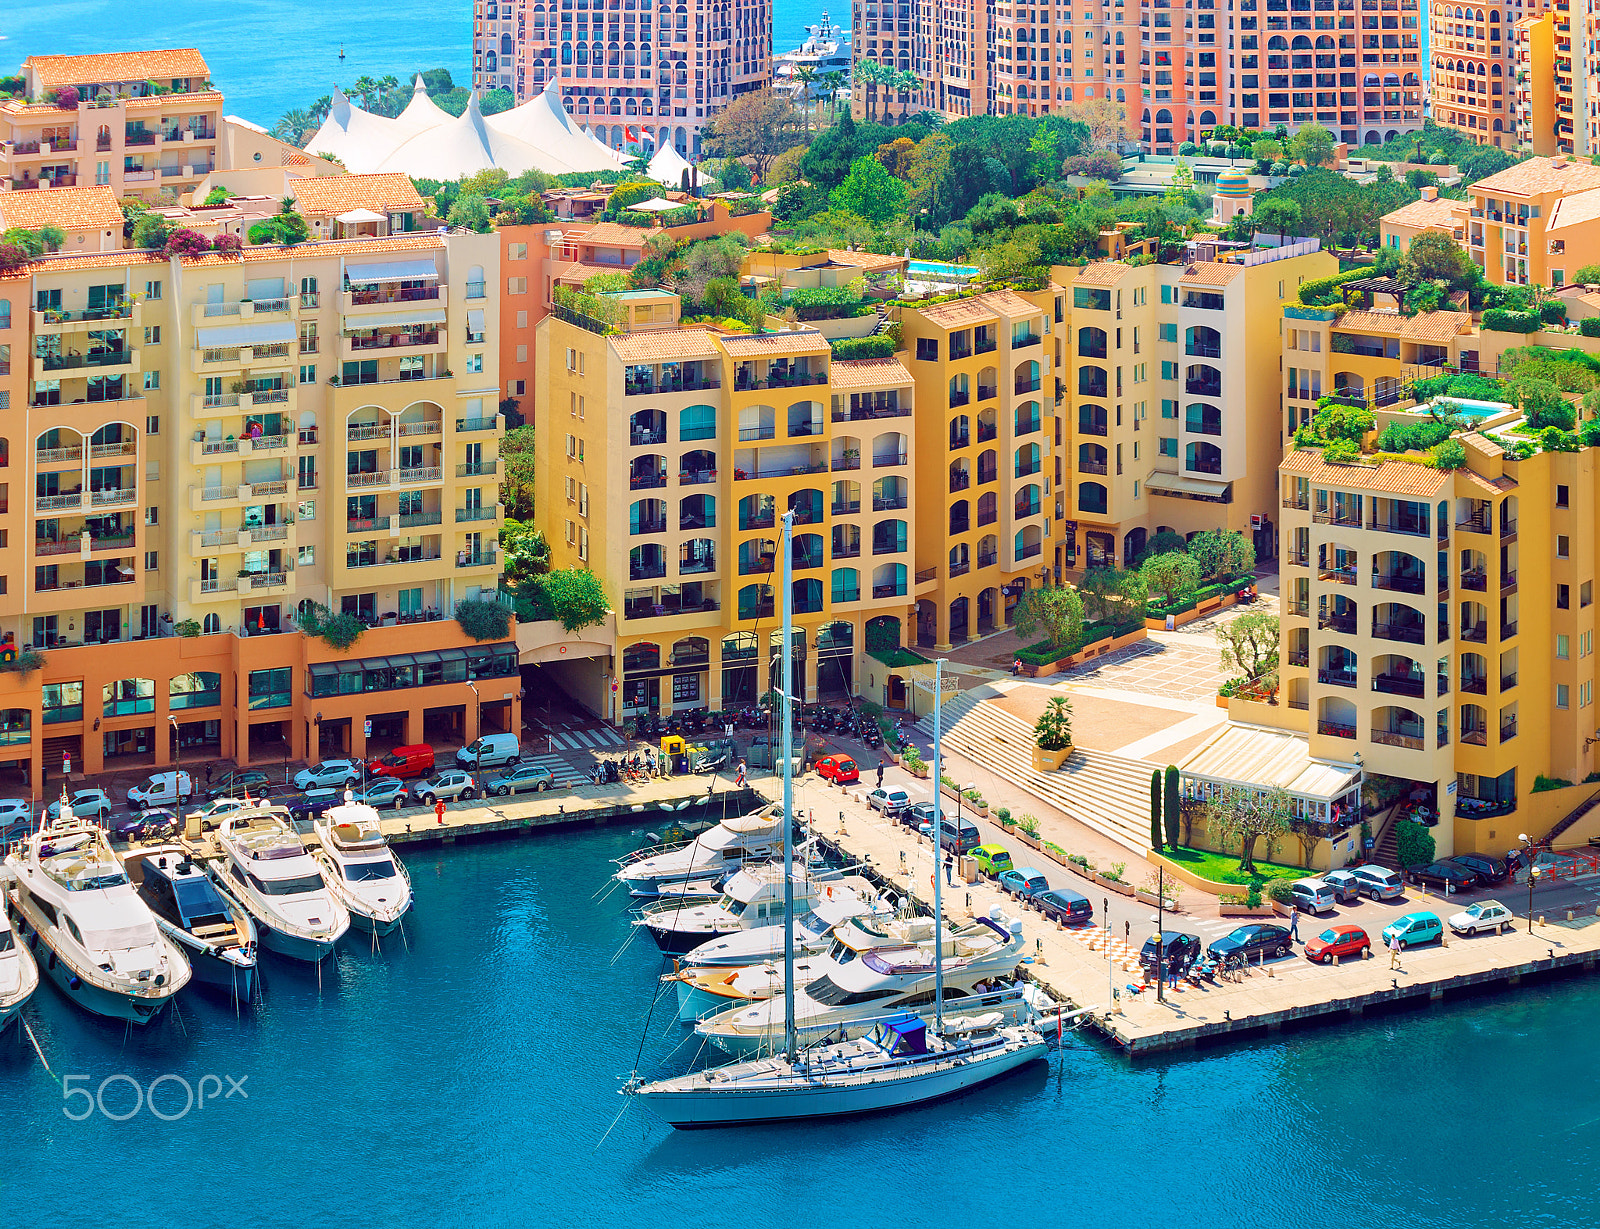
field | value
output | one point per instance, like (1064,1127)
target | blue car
(1414,928)
(1023,882)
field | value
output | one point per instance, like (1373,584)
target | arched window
(888,537)
(698,422)
(698,512)
(757,556)
(846,585)
(807,596)
(1027,461)
(1091,498)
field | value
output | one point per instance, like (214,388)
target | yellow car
(992,859)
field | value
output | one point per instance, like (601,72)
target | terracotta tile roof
(1396,478)
(979,308)
(775,345)
(577,271)
(352,247)
(664,346)
(1425,326)
(1538,175)
(1101,273)
(1575,210)
(336,194)
(58,70)
(1492,488)
(865,260)
(613,235)
(869,373)
(68,208)
(1212,272)
(1482,443)
(1423,214)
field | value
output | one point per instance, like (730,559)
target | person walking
(880,774)
(208,776)
(1394,951)
(949,869)
(1294,924)
(739,780)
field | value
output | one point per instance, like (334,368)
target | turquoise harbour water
(268,55)
(470,1080)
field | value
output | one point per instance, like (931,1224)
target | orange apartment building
(1474,52)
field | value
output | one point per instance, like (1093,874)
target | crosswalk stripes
(566,774)
(587,740)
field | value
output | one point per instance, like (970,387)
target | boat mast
(785,701)
(938,840)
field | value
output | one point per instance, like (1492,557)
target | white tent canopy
(670,167)
(359,215)
(543,123)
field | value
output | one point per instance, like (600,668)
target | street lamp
(476,762)
(1533,878)
(177,764)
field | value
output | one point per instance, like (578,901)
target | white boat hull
(695,1102)
(13,1001)
(370,924)
(92,998)
(752,1042)
(295,947)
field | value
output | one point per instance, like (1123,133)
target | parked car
(992,859)
(330,774)
(239,782)
(1414,928)
(490,751)
(215,808)
(385,792)
(1023,882)
(1379,882)
(309,806)
(1065,906)
(142,823)
(1169,943)
(1447,876)
(920,817)
(840,769)
(450,785)
(1490,870)
(406,763)
(1312,895)
(1485,915)
(16,819)
(890,801)
(1336,943)
(160,789)
(1346,884)
(517,778)
(962,836)
(85,803)
(1254,941)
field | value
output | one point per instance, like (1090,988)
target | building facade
(1473,85)
(630,70)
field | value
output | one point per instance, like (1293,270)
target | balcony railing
(1337,678)
(1398,684)
(1334,729)
(1401,584)
(71,362)
(1391,738)
(1409,633)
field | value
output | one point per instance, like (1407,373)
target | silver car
(519,777)
(1346,886)
(449,785)
(1379,882)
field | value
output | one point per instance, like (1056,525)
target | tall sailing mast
(785,701)
(938,841)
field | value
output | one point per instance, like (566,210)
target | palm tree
(833,82)
(871,74)
(295,127)
(907,83)
(806,76)
(320,108)
(364,88)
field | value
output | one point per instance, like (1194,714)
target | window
(152,561)
(1169,447)
(928,349)
(1169,294)
(583,544)
(201,689)
(150,516)
(1562,644)
(572,533)
(152,424)
(572,490)
(1169,370)
(572,446)
(152,290)
(152,379)
(685,688)
(475,363)
(1169,409)
(1168,332)
(307,555)
(1562,545)
(1561,496)
(1561,695)
(307,510)
(152,334)
(517,251)
(1585,594)
(270,688)
(1563,597)
(516,285)
(308,373)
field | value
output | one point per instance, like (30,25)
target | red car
(838,768)
(1338,942)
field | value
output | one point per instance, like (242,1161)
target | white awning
(419,315)
(475,320)
(263,334)
(1255,756)
(391,271)
(359,215)
(658,204)
(1182,484)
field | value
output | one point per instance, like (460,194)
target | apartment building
(1170,413)
(987,472)
(143,123)
(1472,88)
(672,455)
(628,71)
(1438,627)
(211,445)
(1534,48)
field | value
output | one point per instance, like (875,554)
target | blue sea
(268,56)
(469,1079)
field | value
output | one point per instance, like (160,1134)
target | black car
(1446,876)
(1489,869)
(1253,942)
(1173,943)
(1065,906)
(234,784)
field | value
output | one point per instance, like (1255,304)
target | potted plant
(1003,818)
(1028,830)
(1052,735)
(1054,852)
(948,786)
(975,800)
(1081,865)
(913,763)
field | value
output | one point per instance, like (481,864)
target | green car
(992,859)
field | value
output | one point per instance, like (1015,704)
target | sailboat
(900,1063)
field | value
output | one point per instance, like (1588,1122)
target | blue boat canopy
(903,1035)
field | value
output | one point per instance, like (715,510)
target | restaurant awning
(1259,758)
(372,272)
(264,334)
(1186,487)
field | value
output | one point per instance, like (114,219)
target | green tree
(1542,401)
(1589,275)
(1175,576)
(1044,149)
(150,231)
(1247,816)
(524,551)
(1155,810)
(574,597)
(1171,804)
(1250,646)
(471,212)
(1434,256)
(1313,145)
(516,483)
(1053,730)
(756,127)
(1057,613)
(1221,553)
(1279,216)
(1267,151)
(626,194)
(869,191)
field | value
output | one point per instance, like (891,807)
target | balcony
(1390,738)
(477,424)
(1337,678)
(477,559)
(1406,525)
(1407,633)
(354,560)
(1398,684)
(491,513)
(477,469)
(1203,388)
(76,362)
(1338,576)
(1401,584)
(888,503)
(1334,729)
(1345,624)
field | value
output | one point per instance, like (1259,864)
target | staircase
(883,324)
(1386,849)
(1583,809)
(1102,791)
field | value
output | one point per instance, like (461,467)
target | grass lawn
(1224,867)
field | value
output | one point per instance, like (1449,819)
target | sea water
(470,1079)
(268,56)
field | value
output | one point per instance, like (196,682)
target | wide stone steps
(1105,792)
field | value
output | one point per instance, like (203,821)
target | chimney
(1559,161)
(1430,193)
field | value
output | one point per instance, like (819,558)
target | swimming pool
(1475,409)
(938,270)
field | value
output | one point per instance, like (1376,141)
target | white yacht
(813,932)
(19,974)
(844,1001)
(214,930)
(826,49)
(96,939)
(756,837)
(264,864)
(360,868)
(752,899)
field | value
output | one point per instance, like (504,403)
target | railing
(112,311)
(1507,630)
(477,469)
(1476,738)
(48,456)
(385,341)
(1508,731)
(1091,467)
(416,520)
(844,509)
(1414,528)
(697,566)
(647,571)
(477,559)
(1301,502)
(1398,684)
(1508,529)
(889,458)
(366,524)
(1338,576)
(888,503)
(698,477)
(269,533)
(958,569)
(891,590)
(1389,738)
(403,294)
(1336,678)
(1409,633)
(1338,623)
(368,431)
(646,482)
(1401,584)
(364,561)
(1029,550)
(638,439)
(637,387)
(1200,350)
(476,424)
(871,413)
(1334,729)
(476,514)
(428,427)
(71,362)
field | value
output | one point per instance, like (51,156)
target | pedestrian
(208,776)
(438,810)
(880,774)
(1016,665)
(949,869)
(1394,951)
(1294,924)
(739,780)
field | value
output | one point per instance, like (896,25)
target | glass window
(270,688)
(201,689)
(63,702)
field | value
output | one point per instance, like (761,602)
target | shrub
(185,244)
(1501,321)
(484,620)
(1451,454)
(12,257)
(1028,825)
(913,760)
(339,631)
(187,627)
(1553,311)
(845,348)
(1341,452)
(1413,844)
(1282,891)
(972,795)
(1541,783)
(226,245)
(1053,730)
(1003,814)
(1590,326)
(25,662)
(1252,898)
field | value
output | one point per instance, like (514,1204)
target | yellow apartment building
(1537,222)
(668,456)
(1536,85)
(211,445)
(1171,414)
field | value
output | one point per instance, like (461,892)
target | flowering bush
(227,245)
(184,242)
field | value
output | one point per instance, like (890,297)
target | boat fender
(72,982)
(161,979)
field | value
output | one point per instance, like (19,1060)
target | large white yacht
(95,938)
(826,50)
(813,931)
(845,1001)
(265,865)
(757,837)
(19,974)
(752,899)
(360,868)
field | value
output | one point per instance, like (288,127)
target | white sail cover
(544,123)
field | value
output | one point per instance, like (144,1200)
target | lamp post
(177,765)
(1533,875)
(476,763)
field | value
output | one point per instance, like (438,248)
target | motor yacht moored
(19,974)
(214,930)
(751,900)
(757,837)
(264,864)
(360,869)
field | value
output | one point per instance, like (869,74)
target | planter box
(1086,653)
(1059,859)
(949,793)
(1032,842)
(1151,899)
(920,773)
(1049,761)
(1121,889)
(1007,825)
(1222,701)
(1244,911)
(1077,869)
(977,810)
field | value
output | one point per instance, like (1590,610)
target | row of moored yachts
(121,934)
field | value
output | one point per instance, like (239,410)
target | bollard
(1569,915)
(1541,919)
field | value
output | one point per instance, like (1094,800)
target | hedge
(1044,653)
(1314,292)
(1590,327)
(1501,321)
(862,347)
(1553,312)
(1154,611)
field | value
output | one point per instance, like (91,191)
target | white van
(160,789)
(490,751)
